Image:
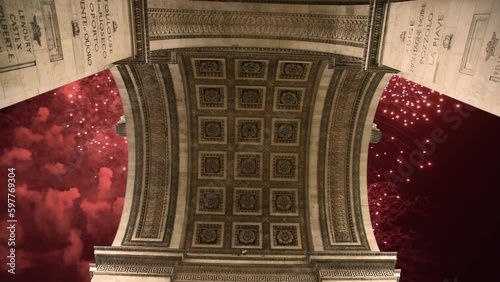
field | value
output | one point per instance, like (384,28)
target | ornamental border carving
(160,133)
(140,32)
(349,106)
(134,269)
(135,265)
(333,273)
(250,273)
(243,278)
(335,61)
(373,37)
(342,30)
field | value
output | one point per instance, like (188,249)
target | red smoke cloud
(43,114)
(11,157)
(73,251)
(56,169)
(25,137)
(69,175)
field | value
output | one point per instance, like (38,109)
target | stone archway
(211,201)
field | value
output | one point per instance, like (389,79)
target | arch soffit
(353,143)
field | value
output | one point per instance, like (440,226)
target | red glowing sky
(437,212)
(69,165)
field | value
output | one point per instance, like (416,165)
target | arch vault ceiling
(246,161)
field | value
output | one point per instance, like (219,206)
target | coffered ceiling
(249,119)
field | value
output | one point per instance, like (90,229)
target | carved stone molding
(109,262)
(374,34)
(343,30)
(346,104)
(332,273)
(139,32)
(134,269)
(249,273)
(155,116)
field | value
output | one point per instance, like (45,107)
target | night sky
(439,212)
(433,184)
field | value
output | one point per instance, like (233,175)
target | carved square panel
(211,200)
(284,166)
(247,201)
(208,235)
(211,165)
(212,130)
(212,68)
(283,202)
(251,69)
(247,235)
(285,236)
(293,71)
(250,98)
(286,131)
(211,97)
(249,130)
(288,99)
(248,166)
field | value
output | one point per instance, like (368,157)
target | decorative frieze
(251,69)
(212,165)
(283,202)
(248,166)
(284,166)
(212,130)
(249,130)
(211,97)
(208,234)
(250,98)
(289,99)
(293,71)
(247,201)
(212,68)
(286,132)
(211,200)
(247,235)
(334,29)
(285,236)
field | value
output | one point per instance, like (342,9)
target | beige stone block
(463,25)
(17,98)
(484,6)
(63,10)
(29,78)
(321,9)
(44,88)
(69,57)
(58,73)
(453,14)
(11,82)
(4,103)
(30,93)
(43,66)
